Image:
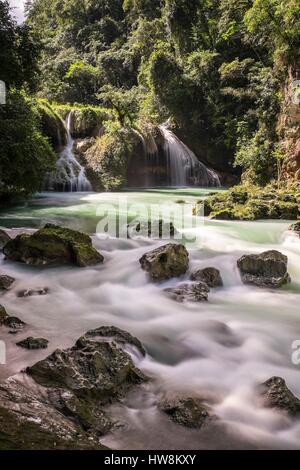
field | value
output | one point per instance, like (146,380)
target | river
(219,350)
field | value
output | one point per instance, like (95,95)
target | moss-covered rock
(251,203)
(210,276)
(3,315)
(52,124)
(165,262)
(53,245)
(87,121)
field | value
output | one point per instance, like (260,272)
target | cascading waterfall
(184,168)
(69,174)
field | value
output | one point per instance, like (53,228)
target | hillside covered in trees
(221,72)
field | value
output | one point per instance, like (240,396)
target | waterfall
(69,174)
(183,167)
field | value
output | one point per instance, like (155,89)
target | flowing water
(220,350)
(69,174)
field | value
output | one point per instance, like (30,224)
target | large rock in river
(53,245)
(276,394)
(188,412)
(6,282)
(166,262)
(61,403)
(268,269)
(211,277)
(4,238)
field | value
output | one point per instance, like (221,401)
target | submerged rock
(119,336)
(268,269)
(166,262)
(14,322)
(295,228)
(157,229)
(53,245)
(33,292)
(188,412)
(6,282)
(74,386)
(33,343)
(4,238)
(195,292)
(211,277)
(277,395)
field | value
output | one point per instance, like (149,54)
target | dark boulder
(33,343)
(194,292)
(4,238)
(13,322)
(188,412)
(117,335)
(210,276)
(268,269)
(94,367)
(277,395)
(295,228)
(6,282)
(53,245)
(166,262)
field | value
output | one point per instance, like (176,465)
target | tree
(124,102)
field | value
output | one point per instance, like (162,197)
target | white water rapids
(220,350)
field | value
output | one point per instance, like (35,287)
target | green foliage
(125,103)
(26,155)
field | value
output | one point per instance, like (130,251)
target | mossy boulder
(276,394)
(268,269)
(53,245)
(189,412)
(52,124)
(166,262)
(251,203)
(107,161)
(75,385)
(87,121)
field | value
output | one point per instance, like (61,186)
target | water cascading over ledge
(69,175)
(167,162)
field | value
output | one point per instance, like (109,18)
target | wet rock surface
(276,394)
(14,323)
(6,282)
(194,292)
(157,229)
(268,269)
(166,262)
(3,315)
(188,412)
(210,276)
(63,397)
(33,343)
(53,245)
(33,292)
(295,228)
(4,238)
